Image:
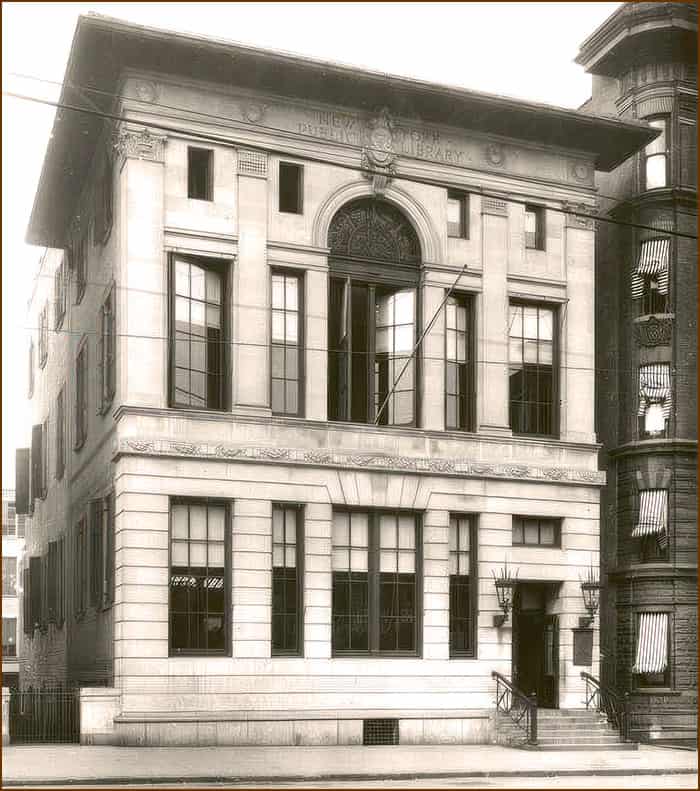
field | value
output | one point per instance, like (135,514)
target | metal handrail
(521,709)
(607,700)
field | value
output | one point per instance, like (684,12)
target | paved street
(420,766)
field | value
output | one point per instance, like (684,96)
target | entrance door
(535,646)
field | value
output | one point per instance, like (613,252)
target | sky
(523,50)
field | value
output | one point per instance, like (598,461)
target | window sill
(198,654)
(527,435)
(376,655)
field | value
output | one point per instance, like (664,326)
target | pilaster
(432,382)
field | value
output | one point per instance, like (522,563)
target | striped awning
(655,388)
(652,643)
(653,513)
(652,262)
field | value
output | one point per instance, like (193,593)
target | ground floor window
(199,576)
(463,610)
(376,582)
(9,637)
(287,579)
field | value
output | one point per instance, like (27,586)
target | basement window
(385,731)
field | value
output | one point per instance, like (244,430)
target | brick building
(644,65)
(259,517)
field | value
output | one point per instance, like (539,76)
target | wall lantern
(590,590)
(504,582)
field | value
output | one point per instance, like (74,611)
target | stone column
(432,357)
(577,359)
(142,311)
(492,416)
(251,335)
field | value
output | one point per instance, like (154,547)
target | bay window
(656,159)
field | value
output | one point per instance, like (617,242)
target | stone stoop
(565,729)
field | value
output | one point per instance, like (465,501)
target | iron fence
(44,715)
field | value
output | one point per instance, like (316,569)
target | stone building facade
(277,522)
(13,531)
(644,65)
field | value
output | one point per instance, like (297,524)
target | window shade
(652,262)
(655,388)
(653,513)
(652,643)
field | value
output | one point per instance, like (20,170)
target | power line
(357,168)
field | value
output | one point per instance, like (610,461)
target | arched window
(374,268)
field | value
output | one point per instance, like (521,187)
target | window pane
(291,289)
(182,278)
(407,562)
(530,328)
(531,533)
(359,529)
(547,535)
(387,531)
(216,555)
(213,285)
(341,528)
(407,532)
(358,560)
(518,535)
(291,328)
(657,146)
(278,292)
(198,522)
(341,559)
(179,521)
(198,553)
(180,555)
(278,326)
(656,171)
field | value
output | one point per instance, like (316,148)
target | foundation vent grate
(380,731)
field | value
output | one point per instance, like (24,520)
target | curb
(299,779)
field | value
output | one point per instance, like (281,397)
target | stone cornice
(464,468)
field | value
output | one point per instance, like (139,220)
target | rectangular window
(652,667)
(536,531)
(9,638)
(59,294)
(650,277)
(27,601)
(79,257)
(287,580)
(60,594)
(199,577)
(96,553)
(200,173)
(80,569)
(457,215)
(656,156)
(52,581)
(534,227)
(30,388)
(9,576)
(376,582)
(198,333)
(463,587)
(291,188)
(36,593)
(44,335)
(81,395)
(60,434)
(44,459)
(8,518)
(38,439)
(655,401)
(106,352)
(652,525)
(532,371)
(287,344)
(459,368)
(688,153)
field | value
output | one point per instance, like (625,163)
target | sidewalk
(66,764)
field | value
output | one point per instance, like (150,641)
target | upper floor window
(39,456)
(532,369)
(9,576)
(459,366)
(30,388)
(376,582)
(107,360)
(60,434)
(656,159)
(44,335)
(291,188)
(652,667)
(200,173)
(8,518)
(80,568)
(81,395)
(655,400)
(287,344)
(200,573)
(79,258)
(59,294)
(535,531)
(375,258)
(9,637)
(652,525)
(104,214)
(534,227)
(463,585)
(650,277)
(198,333)
(457,215)
(287,580)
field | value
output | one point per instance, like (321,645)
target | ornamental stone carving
(495,153)
(380,154)
(139,144)
(654,331)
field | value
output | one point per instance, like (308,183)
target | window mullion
(373,571)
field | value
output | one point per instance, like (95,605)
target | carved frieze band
(654,331)
(371,461)
(139,144)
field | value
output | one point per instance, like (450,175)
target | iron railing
(520,709)
(602,698)
(44,715)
